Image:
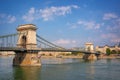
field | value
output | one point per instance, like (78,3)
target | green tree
(74,53)
(108,51)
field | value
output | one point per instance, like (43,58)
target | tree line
(108,51)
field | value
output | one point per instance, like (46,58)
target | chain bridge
(26,43)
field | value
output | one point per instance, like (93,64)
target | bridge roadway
(17,49)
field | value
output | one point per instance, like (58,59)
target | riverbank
(110,56)
(75,56)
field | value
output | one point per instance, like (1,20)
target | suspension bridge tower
(27,41)
(91,56)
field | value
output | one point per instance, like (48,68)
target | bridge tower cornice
(27,27)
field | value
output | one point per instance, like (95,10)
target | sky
(67,23)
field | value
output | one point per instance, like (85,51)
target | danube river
(62,69)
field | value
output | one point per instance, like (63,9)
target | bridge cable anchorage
(51,45)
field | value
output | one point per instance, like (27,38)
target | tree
(74,53)
(108,51)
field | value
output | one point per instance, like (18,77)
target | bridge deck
(16,49)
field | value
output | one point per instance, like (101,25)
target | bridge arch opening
(24,40)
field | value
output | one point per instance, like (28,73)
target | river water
(62,69)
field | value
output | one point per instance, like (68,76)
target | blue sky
(68,23)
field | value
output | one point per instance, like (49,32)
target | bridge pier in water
(91,56)
(27,41)
(26,59)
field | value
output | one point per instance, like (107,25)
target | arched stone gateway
(27,40)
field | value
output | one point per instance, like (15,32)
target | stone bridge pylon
(27,40)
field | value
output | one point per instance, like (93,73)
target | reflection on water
(62,69)
(58,60)
(26,73)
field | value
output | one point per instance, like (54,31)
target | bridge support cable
(8,40)
(49,44)
(44,44)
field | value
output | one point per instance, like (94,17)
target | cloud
(113,26)
(114,38)
(4,18)
(87,24)
(48,13)
(29,17)
(108,16)
(108,35)
(65,41)
(11,19)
